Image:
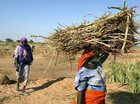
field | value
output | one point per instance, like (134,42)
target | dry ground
(55,86)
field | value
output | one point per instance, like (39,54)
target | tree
(8,40)
(31,41)
(18,41)
(1,41)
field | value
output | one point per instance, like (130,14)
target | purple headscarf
(23,40)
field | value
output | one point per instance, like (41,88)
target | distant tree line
(9,40)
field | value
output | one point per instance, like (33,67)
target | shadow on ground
(124,98)
(13,82)
(47,84)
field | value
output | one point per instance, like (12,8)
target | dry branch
(113,33)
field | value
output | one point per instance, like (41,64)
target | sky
(22,18)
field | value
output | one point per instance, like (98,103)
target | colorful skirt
(92,97)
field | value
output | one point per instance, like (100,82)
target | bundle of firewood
(111,33)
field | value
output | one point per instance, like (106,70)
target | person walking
(90,79)
(22,60)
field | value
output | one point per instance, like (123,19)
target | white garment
(17,52)
(23,74)
(23,71)
(86,77)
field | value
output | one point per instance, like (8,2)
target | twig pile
(113,34)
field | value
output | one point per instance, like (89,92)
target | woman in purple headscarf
(23,59)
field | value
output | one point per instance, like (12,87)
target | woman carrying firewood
(90,80)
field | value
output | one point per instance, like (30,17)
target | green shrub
(126,74)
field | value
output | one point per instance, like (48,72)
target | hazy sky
(22,18)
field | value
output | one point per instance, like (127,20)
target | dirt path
(61,91)
(45,91)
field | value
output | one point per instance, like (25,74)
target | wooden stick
(70,63)
(126,33)
(115,8)
(94,40)
(124,4)
(49,64)
(55,63)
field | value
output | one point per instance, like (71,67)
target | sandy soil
(56,85)
(61,91)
